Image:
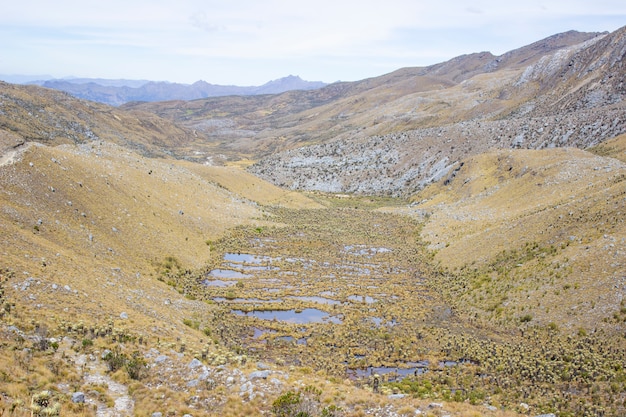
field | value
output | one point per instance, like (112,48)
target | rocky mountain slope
(572,97)
(467,87)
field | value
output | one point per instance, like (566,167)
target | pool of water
(308,315)
(378,321)
(291,339)
(245,300)
(246,258)
(360,299)
(258,332)
(251,268)
(227,273)
(390,373)
(316,299)
(218,283)
(363,250)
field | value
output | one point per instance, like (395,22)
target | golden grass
(500,203)
(150,221)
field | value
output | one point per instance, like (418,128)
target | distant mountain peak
(118,92)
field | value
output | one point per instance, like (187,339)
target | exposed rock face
(399,164)
(570,97)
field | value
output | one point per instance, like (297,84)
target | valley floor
(346,300)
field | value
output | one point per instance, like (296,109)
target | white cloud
(185,40)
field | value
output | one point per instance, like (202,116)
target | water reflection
(308,315)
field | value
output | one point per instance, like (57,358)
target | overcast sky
(250,42)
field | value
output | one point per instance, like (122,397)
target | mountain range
(117,92)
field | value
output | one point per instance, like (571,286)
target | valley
(440,241)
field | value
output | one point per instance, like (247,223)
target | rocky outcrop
(400,164)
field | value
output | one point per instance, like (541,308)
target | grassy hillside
(537,233)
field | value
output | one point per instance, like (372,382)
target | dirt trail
(12,156)
(94,374)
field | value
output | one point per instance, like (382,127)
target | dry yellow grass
(567,199)
(100,219)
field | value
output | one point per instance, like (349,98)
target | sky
(250,42)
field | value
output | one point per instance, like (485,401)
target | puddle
(360,298)
(227,273)
(391,374)
(252,268)
(246,258)
(455,363)
(258,332)
(378,321)
(308,315)
(291,339)
(245,300)
(363,250)
(218,283)
(315,299)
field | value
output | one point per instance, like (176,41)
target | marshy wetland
(354,294)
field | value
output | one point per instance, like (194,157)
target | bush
(115,360)
(287,405)
(303,404)
(135,366)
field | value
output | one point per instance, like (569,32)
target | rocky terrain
(570,98)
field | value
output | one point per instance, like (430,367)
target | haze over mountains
(117,92)
(460,225)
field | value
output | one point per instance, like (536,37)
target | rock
(187,415)
(262,366)
(245,387)
(194,364)
(157,414)
(124,316)
(396,396)
(435,405)
(230,380)
(491,408)
(161,359)
(105,353)
(547,415)
(78,397)
(259,374)
(193,383)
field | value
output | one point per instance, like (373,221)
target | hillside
(496,206)
(471,86)
(547,104)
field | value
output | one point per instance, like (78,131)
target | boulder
(259,374)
